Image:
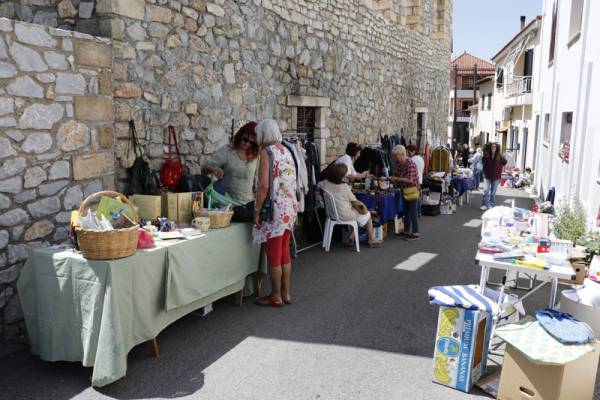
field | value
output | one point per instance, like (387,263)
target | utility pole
(455,105)
(474,96)
(474,84)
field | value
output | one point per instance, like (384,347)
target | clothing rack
(303,138)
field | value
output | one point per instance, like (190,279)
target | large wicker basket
(218,219)
(107,245)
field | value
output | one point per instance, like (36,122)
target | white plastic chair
(333,219)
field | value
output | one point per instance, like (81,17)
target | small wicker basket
(218,219)
(107,245)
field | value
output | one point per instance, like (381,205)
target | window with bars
(305,121)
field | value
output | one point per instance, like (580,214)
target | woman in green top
(236,163)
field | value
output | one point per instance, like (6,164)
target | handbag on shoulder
(172,169)
(411,193)
(142,180)
(266,211)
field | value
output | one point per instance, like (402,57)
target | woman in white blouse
(352,153)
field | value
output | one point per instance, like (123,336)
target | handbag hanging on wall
(172,169)
(142,181)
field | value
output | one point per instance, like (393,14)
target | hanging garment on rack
(440,160)
(313,168)
(373,160)
(427,156)
(298,155)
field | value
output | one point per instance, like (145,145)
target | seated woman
(352,153)
(525,179)
(237,164)
(343,197)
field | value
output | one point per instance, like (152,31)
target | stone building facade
(56,141)
(339,70)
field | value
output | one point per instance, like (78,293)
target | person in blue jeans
(477,166)
(493,162)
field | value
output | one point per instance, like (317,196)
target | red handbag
(172,169)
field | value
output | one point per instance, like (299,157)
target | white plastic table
(552,274)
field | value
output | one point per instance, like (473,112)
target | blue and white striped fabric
(464,296)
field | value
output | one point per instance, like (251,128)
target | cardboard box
(148,207)
(461,347)
(588,314)
(178,206)
(524,379)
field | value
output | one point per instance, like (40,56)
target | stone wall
(197,65)
(56,141)
(79,15)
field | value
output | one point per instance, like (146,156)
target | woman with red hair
(237,164)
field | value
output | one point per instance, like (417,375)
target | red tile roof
(466,61)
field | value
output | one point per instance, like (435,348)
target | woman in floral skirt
(275,231)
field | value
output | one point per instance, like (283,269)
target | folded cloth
(463,296)
(564,327)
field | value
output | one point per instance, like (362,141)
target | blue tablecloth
(464,184)
(387,205)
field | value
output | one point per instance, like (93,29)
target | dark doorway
(525,139)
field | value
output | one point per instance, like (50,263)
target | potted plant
(571,221)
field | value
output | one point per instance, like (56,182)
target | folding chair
(333,219)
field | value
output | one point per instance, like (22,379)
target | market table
(552,274)
(96,311)
(464,186)
(388,205)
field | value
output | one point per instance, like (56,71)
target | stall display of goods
(109,243)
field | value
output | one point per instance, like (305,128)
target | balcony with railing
(518,90)
(519,85)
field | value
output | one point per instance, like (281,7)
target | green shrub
(571,221)
(592,246)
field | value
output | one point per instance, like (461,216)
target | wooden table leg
(257,283)
(155,347)
(239,298)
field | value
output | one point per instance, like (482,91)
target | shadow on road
(342,298)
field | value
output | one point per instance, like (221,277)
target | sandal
(268,301)
(376,244)
(287,300)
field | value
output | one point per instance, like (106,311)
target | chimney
(522,22)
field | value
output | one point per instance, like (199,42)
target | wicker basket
(218,219)
(107,245)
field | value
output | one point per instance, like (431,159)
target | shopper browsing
(477,166)
(493,162)
(345,202)
(406,175)
(276,210)
(352,153)
(237,164)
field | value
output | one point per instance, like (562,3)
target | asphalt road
(359,329)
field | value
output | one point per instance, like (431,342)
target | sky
(483,27)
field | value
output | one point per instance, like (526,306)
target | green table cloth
(97,311)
